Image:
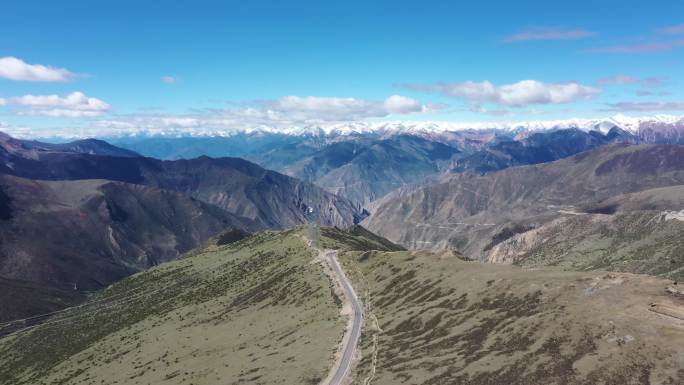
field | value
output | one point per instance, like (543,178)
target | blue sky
(182,64)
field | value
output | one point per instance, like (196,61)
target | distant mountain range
(538,147)
(31,148)
(421,184)
(365,161)
(638,126)
(476,213)
(271,199)
(362,169)
(628,123)
(107,252)
(78,216)
(242,143)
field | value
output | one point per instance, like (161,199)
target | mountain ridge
(76,217)
(235,184)
(470,212)
(79,236)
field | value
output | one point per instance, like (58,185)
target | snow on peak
(604,125)
(342,129)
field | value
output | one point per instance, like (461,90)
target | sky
(75,68)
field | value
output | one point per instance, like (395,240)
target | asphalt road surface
(343,366)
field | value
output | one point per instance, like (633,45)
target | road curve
(343,365)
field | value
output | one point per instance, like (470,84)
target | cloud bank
(646,106)
(73,105)
(276,114)
(520,94)
(12,68)
(317,108)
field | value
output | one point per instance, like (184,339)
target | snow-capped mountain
(632,125)
(655,126)
(604,125)
(648,129)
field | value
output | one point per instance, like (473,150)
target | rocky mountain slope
(22,299)
(637,232)
(539,147)
(261,310)
(364,170)
(73,220)
(473,213)
(243,145)
(78,236)
(271,199)
(365,162)
(29,148)
(366,166)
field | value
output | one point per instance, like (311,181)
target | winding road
(351,339)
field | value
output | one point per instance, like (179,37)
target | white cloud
(397,104)
(180,122)
(13,68)
(31,133)
(61,113)
(168,79)
(518,94)
(318,104)
(277,114)
(646,106)
(2,102)
(549,34)
(73,105)
(318,108)
(75,100)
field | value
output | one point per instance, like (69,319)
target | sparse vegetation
(261,311)
(506,233)
(255,311)
(446,321)
(636,242)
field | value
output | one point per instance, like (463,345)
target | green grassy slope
(255,311)
(637,242)
(261,311)
(641,232)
